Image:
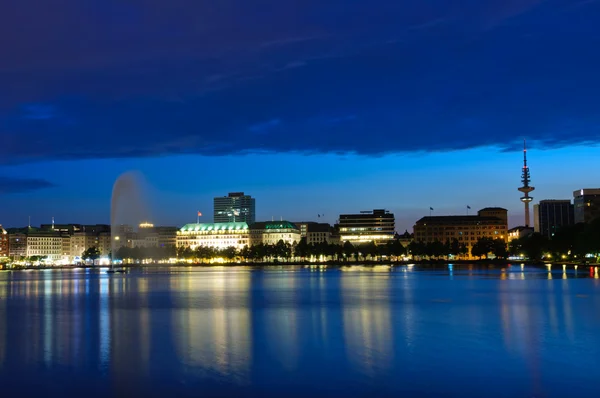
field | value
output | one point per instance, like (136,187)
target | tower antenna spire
(526,188)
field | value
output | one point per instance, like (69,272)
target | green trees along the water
(580,242)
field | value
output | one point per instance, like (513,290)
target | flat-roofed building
(489,222)
(587,204)
(377,225)
(551,215)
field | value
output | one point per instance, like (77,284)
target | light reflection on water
(521,331)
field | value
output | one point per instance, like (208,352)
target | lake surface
(238,332)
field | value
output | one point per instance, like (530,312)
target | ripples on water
(404,331)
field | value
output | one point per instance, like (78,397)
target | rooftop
(458,220)
(218,226)
(273,225)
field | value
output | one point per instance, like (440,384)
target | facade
(4,248)
(490,222)
(551,215)
(586,205)
(316,232)
(235,207)
(45,244)
(17,244)
(518,233)
(271,232)
(377,225)
(217,235)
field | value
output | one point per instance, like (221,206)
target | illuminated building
(587,204)
(316,232)
(217,235)
(377,225)
(519,232)
(235,207)
(3,242)
(45,244)
(490,222)
(271,232)
(551,215)
(526,189)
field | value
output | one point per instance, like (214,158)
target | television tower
(526,189)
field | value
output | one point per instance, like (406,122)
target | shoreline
(329,264)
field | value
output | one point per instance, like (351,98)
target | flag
(318,215)
(431,208)
(199,214)
(468,207)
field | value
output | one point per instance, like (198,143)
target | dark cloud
(149,78)
(10,185)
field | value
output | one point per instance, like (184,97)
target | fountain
(127,208)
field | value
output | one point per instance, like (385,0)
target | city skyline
(321,113)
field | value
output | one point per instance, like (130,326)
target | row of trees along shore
(571,243)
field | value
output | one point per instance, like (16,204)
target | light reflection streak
(367,321)
(211,323)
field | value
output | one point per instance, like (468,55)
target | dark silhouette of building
(551,215)
(587,204)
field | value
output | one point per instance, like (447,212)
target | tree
(348,250)
(301,249)
(481,248)
(92,254)
(499,248)
(229,253)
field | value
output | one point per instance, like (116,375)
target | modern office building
(551,215)
(587,204)
(490,222)
(217,235)
(377,225)
(235,207)
(4,251)
(271,232)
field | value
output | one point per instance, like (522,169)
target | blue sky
(312,107)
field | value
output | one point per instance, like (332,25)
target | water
(240,332)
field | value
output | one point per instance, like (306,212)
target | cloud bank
(106,79)
(10,185)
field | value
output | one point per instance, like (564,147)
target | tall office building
(551,215)
(587,204)
(235,207)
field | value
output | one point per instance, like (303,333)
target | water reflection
(369,330)
(211,323)
(367,321)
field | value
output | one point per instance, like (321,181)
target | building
(235,207)
(17,244)
(48,245)
(550,215)
(519,232)
(217,235)
(271,232)
(490,222)
(526,189)
(587,205)
(315,232)
(377,225)
(4,248)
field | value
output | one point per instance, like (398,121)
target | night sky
(312,107)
